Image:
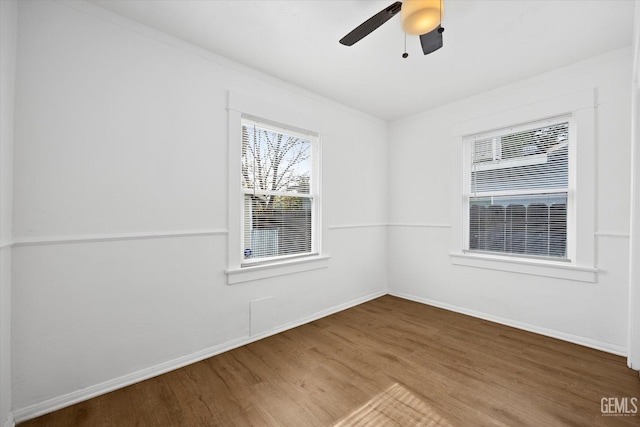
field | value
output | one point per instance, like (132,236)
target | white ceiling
(487,43)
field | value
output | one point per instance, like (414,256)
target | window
(536,173)
(279,193)
(519,190)
(274,175)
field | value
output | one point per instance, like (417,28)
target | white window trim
(571,229)
(243,106)
(280,268)
(312,196)
(581,227)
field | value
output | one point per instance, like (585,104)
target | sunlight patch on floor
(394,406)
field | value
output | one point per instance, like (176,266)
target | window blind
(278,187)
(518,191)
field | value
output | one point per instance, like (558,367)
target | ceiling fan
(419,17)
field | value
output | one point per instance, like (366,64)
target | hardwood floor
(385,362)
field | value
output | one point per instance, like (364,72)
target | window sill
(558,270)
(258,272)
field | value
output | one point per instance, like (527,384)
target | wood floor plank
(386,362)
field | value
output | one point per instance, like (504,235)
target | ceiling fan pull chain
(405,54)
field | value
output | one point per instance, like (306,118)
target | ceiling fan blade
(371,24)
(432,40)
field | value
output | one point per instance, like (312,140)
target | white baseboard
(575,339)
(78,396)
(10,422)
(72,398)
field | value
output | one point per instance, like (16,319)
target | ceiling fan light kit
(419,17)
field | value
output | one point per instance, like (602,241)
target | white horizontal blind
(278,184)
(518,190)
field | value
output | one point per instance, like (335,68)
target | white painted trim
(380,225)
(72,398)
(348,226)
(257,110)
(277,269)
(544,268)
(235,201)
(580,228)
(94,238)
(586,342)
(10,422)
(6,245)
(555,107)
(633,331)
(613,234)
(240,107)
(636,44)
(421,225)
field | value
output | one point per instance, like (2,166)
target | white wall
(634,283)
(422,162)
(121,135)
(8,32)
(120,210)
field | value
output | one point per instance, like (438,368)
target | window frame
(581,266)
(468,141)
(313,194)
(242,106)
